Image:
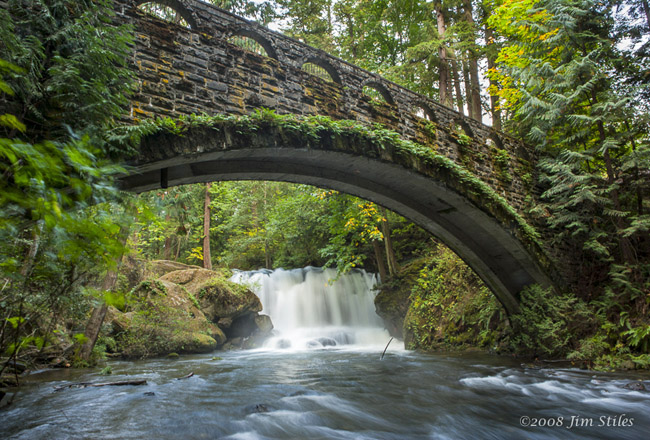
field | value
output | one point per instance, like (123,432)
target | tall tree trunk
(468,87)
(167,251)
(491,52)
(32,251)
(456,76)
(94,324)
(444,82)
(627,252)
(207,258)
(393,266)
(475,86)
(379,256)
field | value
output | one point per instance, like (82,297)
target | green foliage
(573,82)
(549,324)
(450,308)
(64,81)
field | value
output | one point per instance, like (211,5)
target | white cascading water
(311,310)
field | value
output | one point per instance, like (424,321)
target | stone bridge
(201,67)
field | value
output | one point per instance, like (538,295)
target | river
(296,389)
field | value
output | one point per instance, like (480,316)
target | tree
(575,94)
(65,82)
(207,258)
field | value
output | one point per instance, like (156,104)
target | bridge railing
(198,69)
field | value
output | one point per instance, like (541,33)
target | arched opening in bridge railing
(494,141)
(377,92)
(253,42)
(168,10)
(321,69)
(423,112)
(462,128)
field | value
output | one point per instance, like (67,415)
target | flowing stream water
(301,386)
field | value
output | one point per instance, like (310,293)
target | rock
(224,323)
(159,268)
(635,386)
(8,380)
(218,297)
(327,342)
(391,304)
(17,367)
(628,365)
(258,408)
(242,327)
(283,343)
(135,270)
(149,393)
(162,317)
(264,324)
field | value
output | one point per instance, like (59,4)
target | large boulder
(134,270)
(160,318)
(186,310)
(219,298)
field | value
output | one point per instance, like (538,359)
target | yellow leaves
(548,35)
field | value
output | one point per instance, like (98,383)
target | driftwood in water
(382,355)
(102,384)
(185,377)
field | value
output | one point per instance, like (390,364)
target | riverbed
(329,393)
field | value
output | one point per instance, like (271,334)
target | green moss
(450,308)
(315,131)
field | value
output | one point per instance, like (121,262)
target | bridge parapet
(184,70)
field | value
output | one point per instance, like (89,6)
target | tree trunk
(393,266)
(477,111)
(494,99)
(96,320)
(32,251)
(646,10)
(207,258)
(468,88)
(167,251)
(444,82)
(379,256)
(627,252)
(459,94)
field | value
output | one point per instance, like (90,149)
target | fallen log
(101,384)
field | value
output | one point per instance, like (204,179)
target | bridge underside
(484,243)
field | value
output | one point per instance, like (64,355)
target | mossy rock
(218,297)
(134,270)
(162,317)
(393,299)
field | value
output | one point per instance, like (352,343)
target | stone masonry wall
(183,70)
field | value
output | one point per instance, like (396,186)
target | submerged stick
(185,377)
(389,341)
(103,384)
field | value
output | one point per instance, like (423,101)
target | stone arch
(325,65)
(463,125)
(176,5)
(485,234)
(423,111)
(495,140)
(257,37)
(381,88)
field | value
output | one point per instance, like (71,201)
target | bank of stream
(320,375)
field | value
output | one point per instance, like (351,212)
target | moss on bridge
(374,142)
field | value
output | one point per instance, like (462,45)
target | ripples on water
(329,393)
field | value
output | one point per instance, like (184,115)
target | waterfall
(311,308)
